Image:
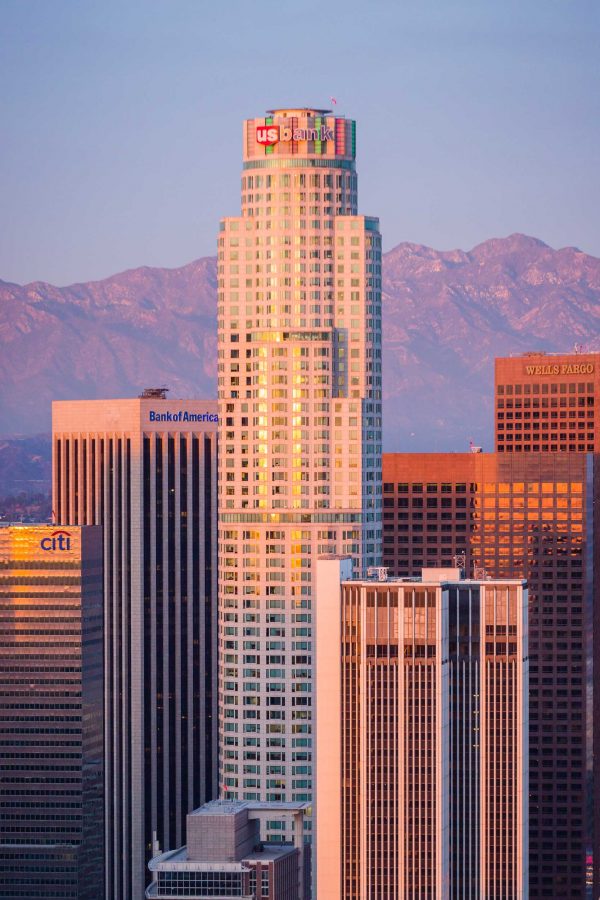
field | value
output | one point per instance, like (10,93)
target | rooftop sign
(550,369)
(267,135)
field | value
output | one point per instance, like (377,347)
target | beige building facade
(299,382)
(421,750)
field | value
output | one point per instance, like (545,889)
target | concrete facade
(226,855)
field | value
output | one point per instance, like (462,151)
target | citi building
(299,381)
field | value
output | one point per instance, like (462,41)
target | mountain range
(446,315)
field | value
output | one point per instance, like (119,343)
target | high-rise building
(299,380)
(227,856)
(51,713)
(421,780)
(528,515)
(548,402)
(145,469)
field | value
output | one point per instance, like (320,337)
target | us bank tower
(299,380)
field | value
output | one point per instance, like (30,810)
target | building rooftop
(579,350)
(263,852)
(232,807)
(298,111)
(428,576)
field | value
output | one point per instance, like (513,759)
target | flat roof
(298,109)
(231,807)
(267,852)
(455,582)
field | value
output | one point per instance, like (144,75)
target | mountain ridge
(447,314)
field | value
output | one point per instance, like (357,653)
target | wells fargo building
(548,402)
(299,381)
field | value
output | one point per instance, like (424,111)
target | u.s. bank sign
(267,135)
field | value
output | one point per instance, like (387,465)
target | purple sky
(121,121)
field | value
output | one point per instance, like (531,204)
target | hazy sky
(121,135)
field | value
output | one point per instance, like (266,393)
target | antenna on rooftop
(460,561)
(379,573)
(154,393)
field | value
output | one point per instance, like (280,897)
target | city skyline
(248,541)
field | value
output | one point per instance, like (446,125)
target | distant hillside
(25,466)
(446,315)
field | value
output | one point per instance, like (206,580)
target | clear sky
(121,137)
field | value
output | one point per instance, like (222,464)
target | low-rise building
(226,857)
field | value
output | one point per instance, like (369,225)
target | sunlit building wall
(299,382)
(51,713)
(421,736)
(527,515)
(548,402)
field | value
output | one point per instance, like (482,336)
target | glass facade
(524,515)
(51,713)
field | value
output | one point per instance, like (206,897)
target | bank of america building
(144,468)
(299,380)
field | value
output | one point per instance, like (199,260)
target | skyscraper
(145,470)
(421,736)
(548,402)
(51,713)
(299,381)
(527,515)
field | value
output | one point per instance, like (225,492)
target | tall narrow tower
(299,310)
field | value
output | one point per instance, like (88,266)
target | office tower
(51,713)
(299,372)
(524,515)
(548,402)
(421,781)
(145,470)
(226,855)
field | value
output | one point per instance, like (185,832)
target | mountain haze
(446,315)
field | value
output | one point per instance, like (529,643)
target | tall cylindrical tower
(299,377)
